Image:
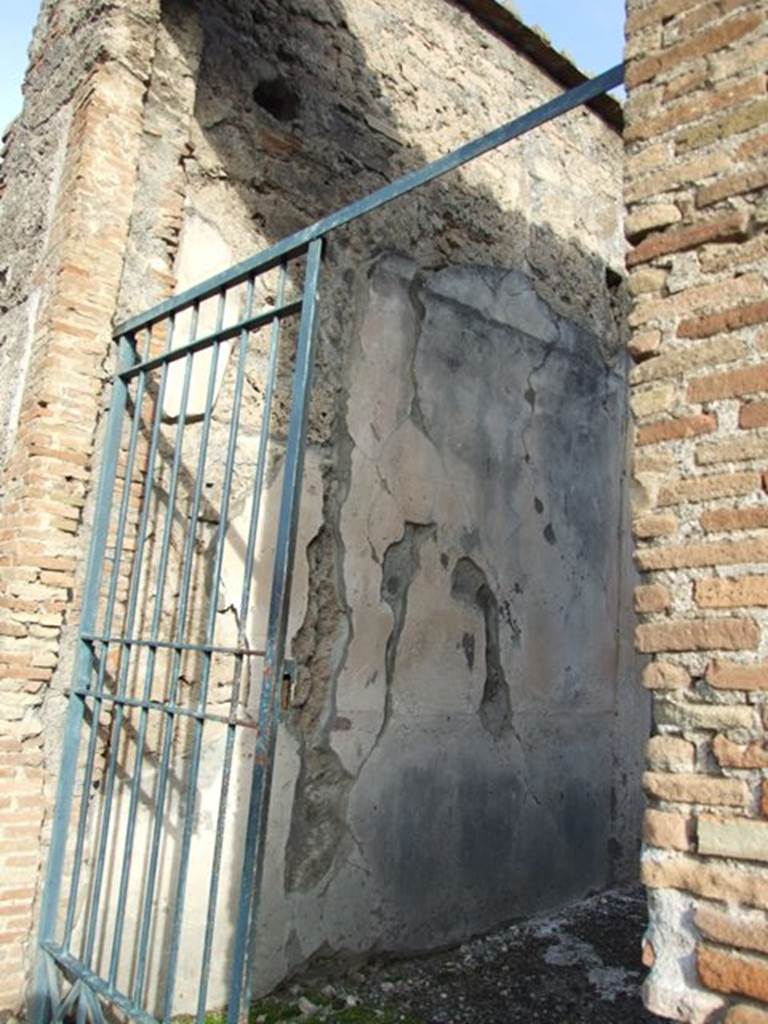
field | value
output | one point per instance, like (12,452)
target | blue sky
(592,33)
(18,21)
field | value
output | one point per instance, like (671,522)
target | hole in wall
(612,278)
(277,97)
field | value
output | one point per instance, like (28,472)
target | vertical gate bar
(97,1017)
(210,628)
(39,1000)
(133,596)
(229,746)
(210,920)
(51,969)
(261,458)
(149,670)
(82,1007)
(109,609)
(186,575)
(61,1011)
(245,933)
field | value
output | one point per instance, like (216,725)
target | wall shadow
(292,122)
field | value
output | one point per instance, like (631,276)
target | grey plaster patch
(318,819)
(400,565)
(472,730)
(470,585)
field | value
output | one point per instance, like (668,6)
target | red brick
(705,488)
(734,122)
(731,384)
(713,880)
(724,552)
(744,928)
(677,175)
(721,519)
(742,592)
(676,429)
(724,229)
(664,675)
(755,146)
(17,894)
(698,635)
(733,319)
(707,13)
(658,524)
(734,185)
(753,414)
(736,973)
(708,41)
(651,598)
(688,80)
(726,675)
(668,831)
(655,13)
(686,788)
(739,755)
(698,106)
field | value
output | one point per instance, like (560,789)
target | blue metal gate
(150,653)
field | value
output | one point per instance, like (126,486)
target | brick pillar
(696,162)
(48,471)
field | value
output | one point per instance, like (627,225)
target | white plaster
(202,253)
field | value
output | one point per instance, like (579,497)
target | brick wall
(75,186)
(98,171)
(137,130)
(697,210)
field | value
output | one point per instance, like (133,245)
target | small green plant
(274,1010)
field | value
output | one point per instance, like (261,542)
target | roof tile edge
(500,17)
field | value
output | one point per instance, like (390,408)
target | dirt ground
(580,965)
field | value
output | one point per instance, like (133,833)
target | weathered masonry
(695,185)
(462,733)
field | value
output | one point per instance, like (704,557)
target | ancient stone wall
(695,183)
(435,659)
(69,174)
(464,525)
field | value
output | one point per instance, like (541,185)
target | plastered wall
(463,737)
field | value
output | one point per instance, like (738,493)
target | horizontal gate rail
(169,709)
(132,537)
(170,645)
(251,323)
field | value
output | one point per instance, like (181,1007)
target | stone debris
(579,965)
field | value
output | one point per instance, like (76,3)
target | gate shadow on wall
(422,796)
(301,122)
